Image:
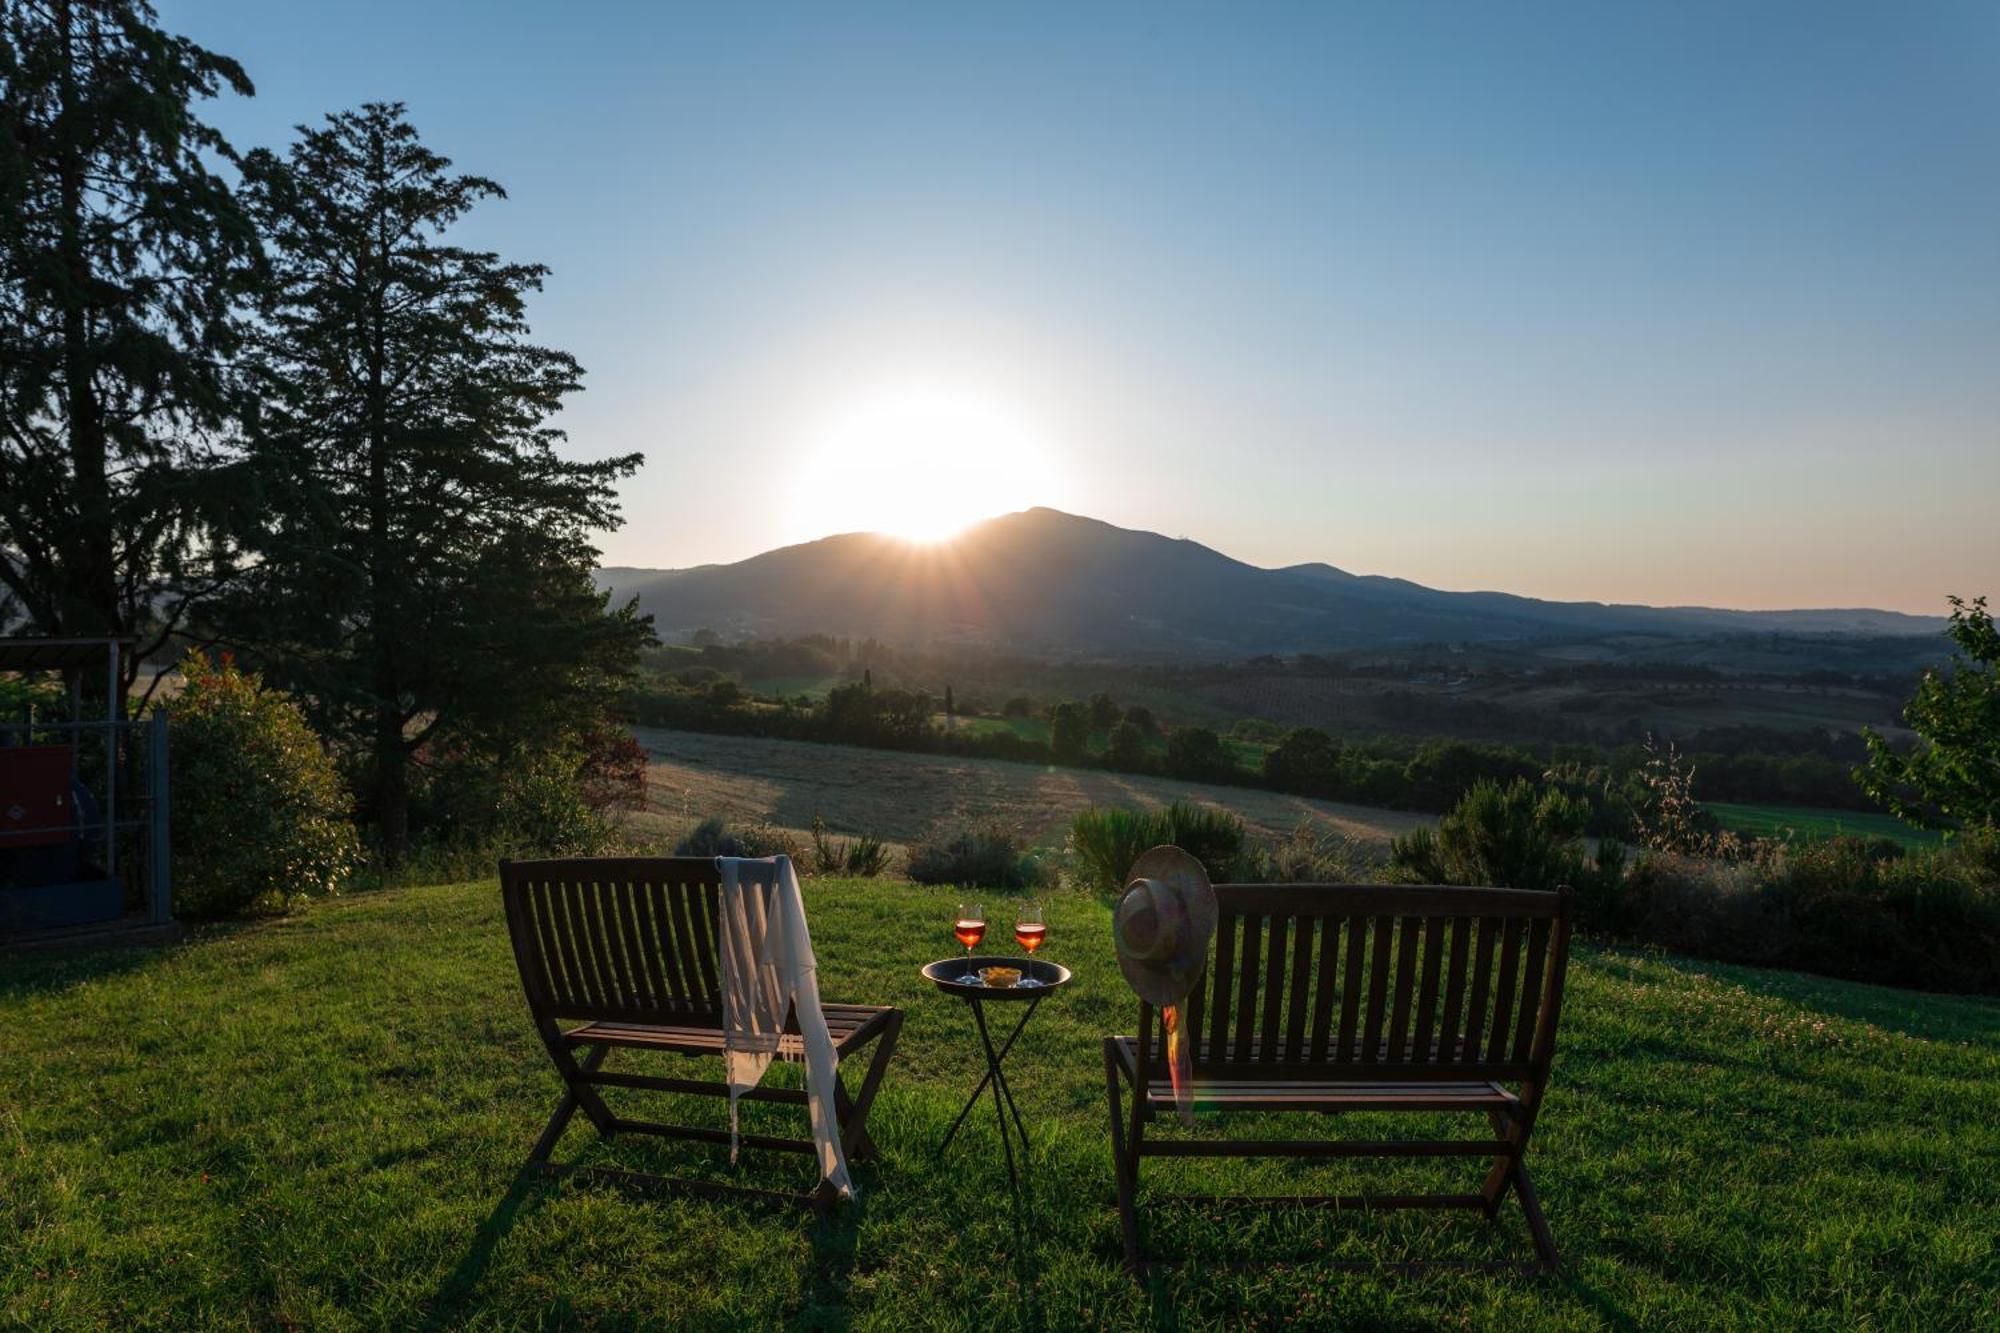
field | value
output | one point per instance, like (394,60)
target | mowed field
(1794,821)
(898,796)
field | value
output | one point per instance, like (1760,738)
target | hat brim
(1166,981)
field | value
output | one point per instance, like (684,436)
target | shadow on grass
(835,1239)
(26,974)
(530,1183)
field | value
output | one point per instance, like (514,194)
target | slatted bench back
(616,939)
(1338,981)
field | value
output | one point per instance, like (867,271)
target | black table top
(960,976)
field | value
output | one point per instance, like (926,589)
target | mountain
(1042,581)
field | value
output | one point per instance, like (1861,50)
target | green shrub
(714,837)
(1197,754)
(1518,836)
(544,810)
(1305,760)
(1069,732)
(1104,843)
(1125,749)
(862,857)
(988,856)
(471,806)
(1310,854)
(1930,919)
(260,816)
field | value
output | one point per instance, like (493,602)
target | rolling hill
(1042,581)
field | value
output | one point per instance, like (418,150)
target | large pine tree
(123,257)
(424,572)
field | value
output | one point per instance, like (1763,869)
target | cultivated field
(897,796)
(1795,821)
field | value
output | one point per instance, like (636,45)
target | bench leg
(1508,1171)
(1124,1164)
(1500,1175)
(572,1099)
(1538,1226)
(854,1137)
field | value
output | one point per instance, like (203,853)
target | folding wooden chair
(626,947)
(1338,998)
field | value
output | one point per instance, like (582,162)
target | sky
(1685,304)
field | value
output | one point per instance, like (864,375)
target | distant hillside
(1043,581)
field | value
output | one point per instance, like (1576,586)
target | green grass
(1779,821)
(317,1122)
(790,687)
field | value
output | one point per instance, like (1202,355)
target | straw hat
(1163,925)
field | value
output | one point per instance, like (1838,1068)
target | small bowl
(1001,978)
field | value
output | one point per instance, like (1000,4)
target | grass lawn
(1798,821)
(317,1122)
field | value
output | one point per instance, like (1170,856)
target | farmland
(898,795)
(1791,821)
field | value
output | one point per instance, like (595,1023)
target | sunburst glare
(923,464)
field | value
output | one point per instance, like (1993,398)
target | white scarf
(767,969)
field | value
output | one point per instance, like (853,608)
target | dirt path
(897,796)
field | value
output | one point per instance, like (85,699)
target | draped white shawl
(768,969)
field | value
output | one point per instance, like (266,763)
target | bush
(1518,836)
(863,857)
(1929,920)
(260,815)
(1197,754)
(1104,843)
(713,837)
(987,856)
(1069,732)
(1310,854)
(1125,749)
(1306,760)
(544,809)
(471,805)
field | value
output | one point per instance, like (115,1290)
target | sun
(923,464)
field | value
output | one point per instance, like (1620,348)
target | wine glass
(1029,931)
(970,928)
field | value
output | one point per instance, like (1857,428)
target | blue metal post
(160,895)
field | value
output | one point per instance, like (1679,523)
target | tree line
(263,401)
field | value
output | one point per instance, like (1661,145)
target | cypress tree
(124,259)
(424,571)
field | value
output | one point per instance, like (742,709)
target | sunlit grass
(1795,821)
(318,1122)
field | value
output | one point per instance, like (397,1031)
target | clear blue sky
(1687,303)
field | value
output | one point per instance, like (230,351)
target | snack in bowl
(1000,978)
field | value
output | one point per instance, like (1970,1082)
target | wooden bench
(1336,998)
(625,947)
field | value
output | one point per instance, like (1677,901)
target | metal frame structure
(130,829)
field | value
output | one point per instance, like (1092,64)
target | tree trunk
(89,605)
(392,779)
